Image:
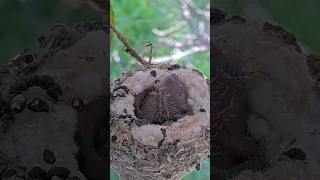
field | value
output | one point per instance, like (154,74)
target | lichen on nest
(161,114)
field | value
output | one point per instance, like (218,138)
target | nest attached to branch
(160,117)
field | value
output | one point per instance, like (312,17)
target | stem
(133,53)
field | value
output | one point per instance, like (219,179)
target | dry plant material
(166,132)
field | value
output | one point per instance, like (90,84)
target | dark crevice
(93,154)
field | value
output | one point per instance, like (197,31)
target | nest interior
(160,117)
(163,101)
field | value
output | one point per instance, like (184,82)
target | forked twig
(151,51)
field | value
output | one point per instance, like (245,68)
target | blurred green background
(300,17)
(23,21)
(137,19)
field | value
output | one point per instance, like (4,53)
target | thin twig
(169,30)
(198,10)
(132,52)
(179,55)
(151,51)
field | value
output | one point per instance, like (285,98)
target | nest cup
(154,150)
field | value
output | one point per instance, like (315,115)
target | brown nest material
(159,122)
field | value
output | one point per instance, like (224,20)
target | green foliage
(202,174)
(114,175)
(300,17)
(23,22)
(136,20)
(111,20)
(229,6)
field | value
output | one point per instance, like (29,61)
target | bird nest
(159,122)
(282,95)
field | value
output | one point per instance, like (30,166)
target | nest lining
(142,80)
(198,98)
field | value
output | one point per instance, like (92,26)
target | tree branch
(132,52)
